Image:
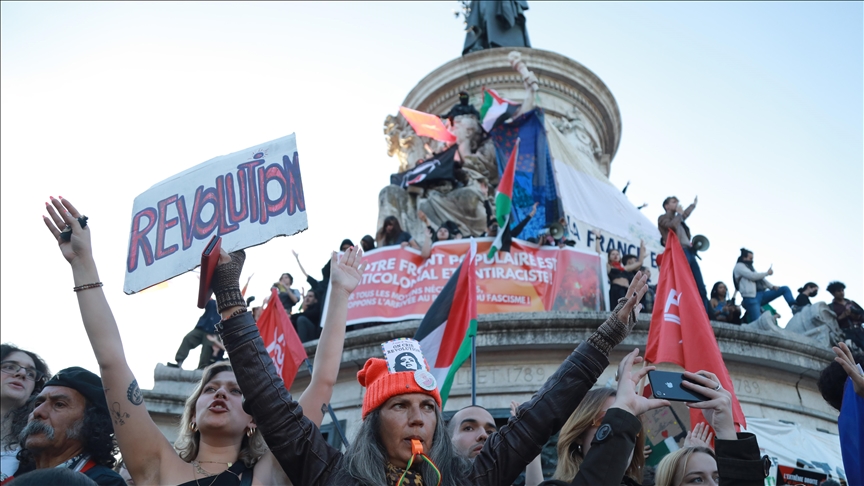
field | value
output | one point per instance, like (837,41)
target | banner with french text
(399,285)
(247,198)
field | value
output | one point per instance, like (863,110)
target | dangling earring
(250,432)
(193,427)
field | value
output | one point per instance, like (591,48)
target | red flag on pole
(680,331)
(427,125)
(281,340)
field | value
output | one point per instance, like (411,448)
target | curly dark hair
(97,435)
(835,286)
(832,380)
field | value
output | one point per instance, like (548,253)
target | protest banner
(398,284)
(247,198)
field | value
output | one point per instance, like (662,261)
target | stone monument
(774,371)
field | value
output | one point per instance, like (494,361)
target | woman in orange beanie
(403,439)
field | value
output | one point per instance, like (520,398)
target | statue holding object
(461,201)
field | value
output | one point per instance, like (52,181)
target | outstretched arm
(142,444)
(640,258)
(607,461)
(294,440)
(500,461)
(344,277)
(297,257)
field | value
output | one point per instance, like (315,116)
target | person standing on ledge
(673,219)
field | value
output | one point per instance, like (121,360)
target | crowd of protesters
(241,426)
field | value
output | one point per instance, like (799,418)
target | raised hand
(534,209)
(718,409)
(61,213)
(514,406)
(226,281)
(701,436)
(844,357)
(637,289)
(345,273)
(627,399)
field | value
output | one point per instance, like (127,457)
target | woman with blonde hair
(219,442)
(690,465)
(735,460)
(605,412)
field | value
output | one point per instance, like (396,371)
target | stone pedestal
(774,376)
(573,97)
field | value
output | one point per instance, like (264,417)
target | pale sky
(754,107)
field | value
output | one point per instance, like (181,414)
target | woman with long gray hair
(402,439)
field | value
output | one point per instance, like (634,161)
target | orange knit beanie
(381,384)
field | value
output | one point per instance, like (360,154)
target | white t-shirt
(8,463)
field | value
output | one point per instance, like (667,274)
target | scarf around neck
(394,473)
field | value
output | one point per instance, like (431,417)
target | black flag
(438,168)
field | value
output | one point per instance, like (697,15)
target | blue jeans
(753,305)
(697,275)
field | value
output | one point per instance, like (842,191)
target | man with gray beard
(71,427)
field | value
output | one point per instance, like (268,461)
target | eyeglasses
(11,368)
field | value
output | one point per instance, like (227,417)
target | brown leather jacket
(309,461)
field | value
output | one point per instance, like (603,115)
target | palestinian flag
(503,203)
(495,110)
(446,330)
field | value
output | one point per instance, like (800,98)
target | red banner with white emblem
(281,339)
(680,331)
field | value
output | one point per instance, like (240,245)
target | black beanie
(84,382)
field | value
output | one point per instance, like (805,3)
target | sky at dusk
(754,107)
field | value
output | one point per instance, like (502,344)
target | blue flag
(851,425)
(534,179)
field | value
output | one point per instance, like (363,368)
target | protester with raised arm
(218,439)
(755,289)
(673,220)
(602,441)
(399,408)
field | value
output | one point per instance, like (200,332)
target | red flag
(680,332)
(281,339)
(427,125)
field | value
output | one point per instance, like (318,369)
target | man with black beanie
(71,426)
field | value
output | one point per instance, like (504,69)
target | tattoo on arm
(134,393)
(118,415)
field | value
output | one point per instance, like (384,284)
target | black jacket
(310,461)
(738,461)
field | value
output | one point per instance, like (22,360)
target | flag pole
(329,409)
(473,370)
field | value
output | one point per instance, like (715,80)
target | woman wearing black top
(621,270)
(809,289)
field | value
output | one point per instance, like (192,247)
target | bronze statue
(495,24)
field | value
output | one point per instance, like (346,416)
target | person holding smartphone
(755,289)
(735,458)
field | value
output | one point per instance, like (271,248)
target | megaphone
(700,243)
(556,230)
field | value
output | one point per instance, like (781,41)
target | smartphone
(666,385)
(209,260)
